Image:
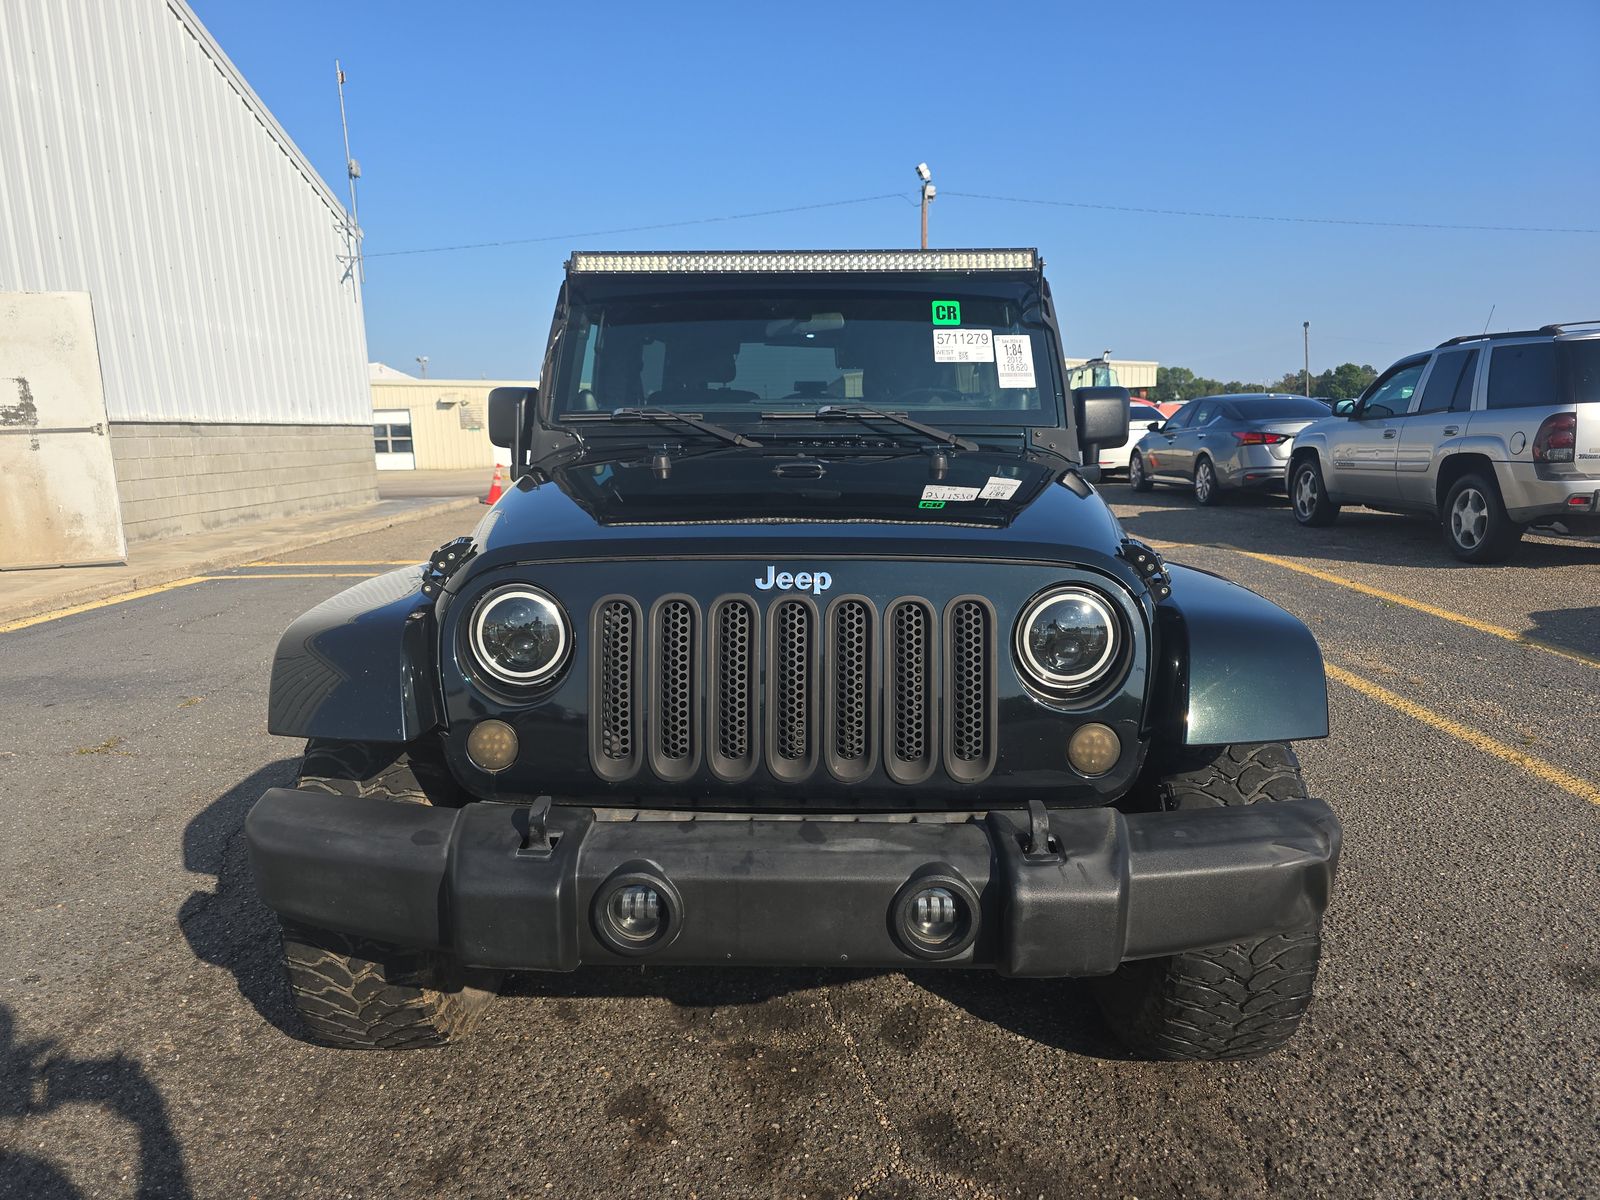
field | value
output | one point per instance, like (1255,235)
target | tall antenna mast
(353,172)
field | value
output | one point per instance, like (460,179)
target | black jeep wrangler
(801,637)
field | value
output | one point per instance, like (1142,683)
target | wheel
(1138,479)
(1207,491)
(1477,527)
(1239,1001)
(360,994)
(1309,495)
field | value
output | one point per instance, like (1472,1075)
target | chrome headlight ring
(1069,639)
(519,635)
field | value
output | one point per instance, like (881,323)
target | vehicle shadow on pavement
(1059,1013)
(228,926)
(1573,628)
(1263,523)
(37,1080)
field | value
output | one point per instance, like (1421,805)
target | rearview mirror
(1343,408)
(1102,416)
(506,408)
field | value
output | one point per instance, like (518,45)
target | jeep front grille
(795,687)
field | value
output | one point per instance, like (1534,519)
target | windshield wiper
(832,412)
(678,418)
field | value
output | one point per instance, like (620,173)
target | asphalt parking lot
(147,1048)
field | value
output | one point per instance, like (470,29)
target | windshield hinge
(1152,569)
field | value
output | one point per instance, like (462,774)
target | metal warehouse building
(137,166)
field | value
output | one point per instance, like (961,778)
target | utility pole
(928,193)
(1306,328)
(353,171)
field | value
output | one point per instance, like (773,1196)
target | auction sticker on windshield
(963,345)
(938,491)
(1015,361)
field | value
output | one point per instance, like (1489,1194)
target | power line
(564,237)
(1227,216)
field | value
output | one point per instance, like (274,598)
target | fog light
(1094,749)
(935,913)
(935,916)
(635,912)
(492,745)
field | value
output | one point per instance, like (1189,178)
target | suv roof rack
(1515,333)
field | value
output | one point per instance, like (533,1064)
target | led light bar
(770,261)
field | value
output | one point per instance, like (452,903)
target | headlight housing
(1069,640)
(519,635)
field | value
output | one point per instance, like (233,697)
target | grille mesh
(735,676)
(792,688)
(849,659)
(969,680)
(908,672)
(618,638)
(675,681)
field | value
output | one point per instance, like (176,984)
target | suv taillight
(1556,439)
(1257,438)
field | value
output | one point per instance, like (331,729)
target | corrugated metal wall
(137,165)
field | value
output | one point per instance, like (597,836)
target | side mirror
(507,406)
(1102,416)
(1155,426)
(1344,408)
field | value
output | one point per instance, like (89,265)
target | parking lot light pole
(928,193)
(1306,377)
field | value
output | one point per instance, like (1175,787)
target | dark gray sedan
(1221,442)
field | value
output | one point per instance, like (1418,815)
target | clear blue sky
(480,121)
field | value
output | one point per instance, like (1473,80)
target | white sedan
(1140,414)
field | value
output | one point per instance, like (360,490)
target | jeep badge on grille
(815,582)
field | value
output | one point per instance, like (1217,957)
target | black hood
(729,502)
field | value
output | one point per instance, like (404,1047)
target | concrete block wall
(175,478)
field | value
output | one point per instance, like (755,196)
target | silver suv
(1488,433)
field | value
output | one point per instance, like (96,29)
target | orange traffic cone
(494,487)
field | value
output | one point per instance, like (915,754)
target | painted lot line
(1478,740)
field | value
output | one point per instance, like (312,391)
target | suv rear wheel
(365,995)
(1477,527)
(1239,1001)
(1308,494)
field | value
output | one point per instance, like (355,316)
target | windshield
(737,358)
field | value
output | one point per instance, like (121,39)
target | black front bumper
(473,883)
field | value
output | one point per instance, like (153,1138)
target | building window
(391,439)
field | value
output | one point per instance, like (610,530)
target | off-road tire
(1497,534)
(1310,502)
(1207,487)
(1239,1001)
(360,994)
(1139,478)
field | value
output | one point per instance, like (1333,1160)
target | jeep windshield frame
(752,351)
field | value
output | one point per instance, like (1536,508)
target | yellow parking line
(1433,610)
(298,575)
(355,562)
(122,598)
(1580,788)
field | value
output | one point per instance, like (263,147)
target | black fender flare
(1236,667)
(359,666)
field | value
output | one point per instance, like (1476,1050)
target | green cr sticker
(947,312)
(930,503)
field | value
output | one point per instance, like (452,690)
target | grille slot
(909,746)
(850,661)
(736,669)
(791,689)
(969,688)
(614,740)
(675,688)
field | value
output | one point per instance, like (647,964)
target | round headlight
(519,635)
(1069,639)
